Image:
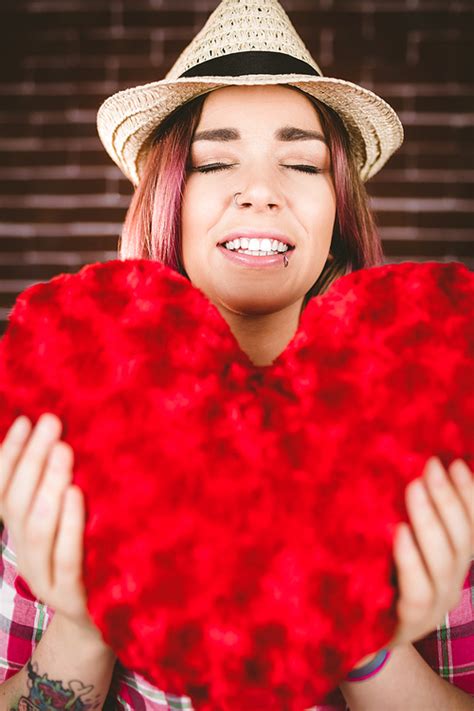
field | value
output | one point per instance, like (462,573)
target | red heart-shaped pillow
(240,518)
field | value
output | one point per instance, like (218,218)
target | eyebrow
(287,133)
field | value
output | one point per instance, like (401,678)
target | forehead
(258,106)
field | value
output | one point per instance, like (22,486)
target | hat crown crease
(236,26)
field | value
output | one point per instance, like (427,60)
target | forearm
(405,682)
(76,662)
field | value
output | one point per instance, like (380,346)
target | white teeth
(264,245)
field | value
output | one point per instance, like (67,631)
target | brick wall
(62,200)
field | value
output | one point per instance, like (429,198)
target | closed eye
(211,168)
(214,167)
(306,168)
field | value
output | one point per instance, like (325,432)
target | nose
(261,193)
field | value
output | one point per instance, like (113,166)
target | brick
(33,158)
(28,43)
(414,189)
(73,73)
(60,20)
(103,44)
(36,272)
(140,74)
(71,6)
(157,19)
(450,161)
(444,103)
(444,59)
(75,186)
(84,243)
(427,249)
(65,129)
(7,301)
(28,101)
(419,20)
(432,219)
(125,187)
(332,19)
(63,214)
(399,161)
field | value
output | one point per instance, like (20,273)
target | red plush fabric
(240,518)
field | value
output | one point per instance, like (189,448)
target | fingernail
(435,472)
(20,426)
(47,424)
(459,470)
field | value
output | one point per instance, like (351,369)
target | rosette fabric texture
(240,519)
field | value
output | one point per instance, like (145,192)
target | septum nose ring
(235,199)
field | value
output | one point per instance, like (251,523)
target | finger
(68,554)
(431,536)
(451,511)
(416,591)
(30,467)
(463,479)
(42,521)
(11,449)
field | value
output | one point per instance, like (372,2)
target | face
(265,143)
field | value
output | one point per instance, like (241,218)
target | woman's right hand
(44,515)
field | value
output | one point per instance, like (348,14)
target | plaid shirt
(23,619)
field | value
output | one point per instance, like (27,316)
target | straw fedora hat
(245,42)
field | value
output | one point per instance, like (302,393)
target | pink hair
(152,228)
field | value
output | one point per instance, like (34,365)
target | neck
(263,337)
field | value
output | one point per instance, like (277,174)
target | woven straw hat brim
(127,120)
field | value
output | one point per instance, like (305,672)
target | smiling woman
(282,170)
(249,167)
(285,195)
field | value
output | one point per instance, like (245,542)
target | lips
(250,261)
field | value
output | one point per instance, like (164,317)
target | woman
(272,211)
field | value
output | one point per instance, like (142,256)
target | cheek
(199,205)
(199,214)
(320,217)
(192,221)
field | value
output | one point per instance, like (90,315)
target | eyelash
(214,167)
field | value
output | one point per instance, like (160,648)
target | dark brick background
(62,200)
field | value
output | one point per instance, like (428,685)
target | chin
(254,304)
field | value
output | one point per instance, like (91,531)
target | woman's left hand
(433,553)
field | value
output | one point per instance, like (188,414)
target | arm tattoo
(46,694)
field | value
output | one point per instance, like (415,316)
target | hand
(433,555)
(45,515)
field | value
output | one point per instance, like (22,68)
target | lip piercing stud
(285,260)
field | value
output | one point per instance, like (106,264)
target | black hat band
(241,63)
